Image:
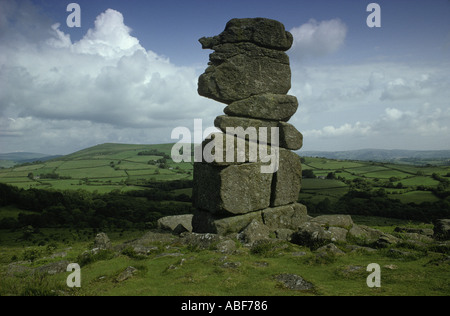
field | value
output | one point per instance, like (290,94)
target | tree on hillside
(308,174)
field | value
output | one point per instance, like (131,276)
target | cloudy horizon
(63,89)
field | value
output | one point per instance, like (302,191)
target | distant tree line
(368,201)
(154,152)
(83,209)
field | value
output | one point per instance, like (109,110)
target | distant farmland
(123,167)
(101,168)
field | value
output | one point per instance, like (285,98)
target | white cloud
(345,107)
(393,114)
(105,87)
(318,38)
(358,129)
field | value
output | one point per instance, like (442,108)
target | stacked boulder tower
(248,174)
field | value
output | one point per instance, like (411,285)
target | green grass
(204,273)
(415,197)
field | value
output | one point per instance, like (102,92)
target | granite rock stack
(249,71)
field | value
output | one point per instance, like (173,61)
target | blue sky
(129,74)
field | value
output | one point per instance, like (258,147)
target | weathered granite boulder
(102,242)
(289,216)
(314,235)
(228,149)
(236,189)
(126,274)
(289,136)
(322,230)
(205,222)
(344,221)
(275,107)
(248,70)
(249,59)
(422,231)
(201,241)
(177,224)
(294,282)
(260,31)
(255,231)
(364,234)
(287,181)
(283,217)
(329,250)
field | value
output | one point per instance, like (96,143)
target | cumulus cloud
(347,129)
(315,38)
(347,106)
(104,87)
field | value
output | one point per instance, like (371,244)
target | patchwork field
(124,167)
(333,178)
(101,168)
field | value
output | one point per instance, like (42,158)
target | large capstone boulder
(251,70)
(248,60)
(260,31)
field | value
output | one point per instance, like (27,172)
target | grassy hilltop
(101,168)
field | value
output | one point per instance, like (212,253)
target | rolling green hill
(101,168)
(125,167)
(11,159)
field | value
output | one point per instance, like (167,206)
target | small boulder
(177,224)
(294,282)
(386,240)
(329,249)
(313,234)
(126,274)
(201,241)
(364,234)
(227,246)
(253,232)
(102,242)
(344,221)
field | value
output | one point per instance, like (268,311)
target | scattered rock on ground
(253,232)
(126,274)
(102,242)
(294,282)
(329,249)
(177,224)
